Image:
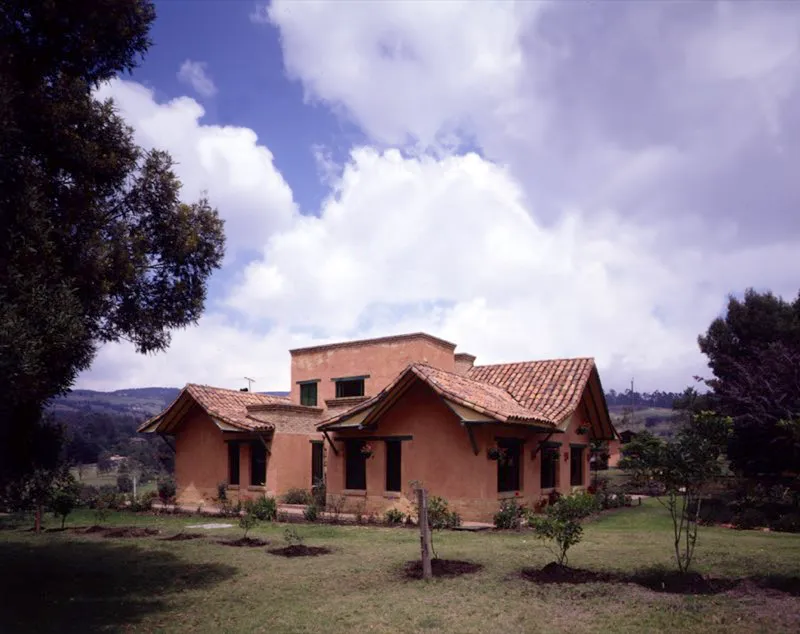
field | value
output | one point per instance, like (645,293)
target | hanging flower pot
(366,450)
(493,453)
(583,430)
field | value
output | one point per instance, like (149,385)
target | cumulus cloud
(194,74)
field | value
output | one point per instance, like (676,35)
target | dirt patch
(441,568)
(300,551)
(677,583)
(781,583)
(182,537)
(556,573)
(243,542)
(130,531)
(91,530)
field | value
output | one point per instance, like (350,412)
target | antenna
(249,383)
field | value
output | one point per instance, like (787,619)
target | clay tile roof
(553,388)
(229,406)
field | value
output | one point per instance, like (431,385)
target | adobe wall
(441,457)
(201,459)
(382,361)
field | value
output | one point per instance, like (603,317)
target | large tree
(95,243)
(754,353)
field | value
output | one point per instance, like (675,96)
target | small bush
(297,496)
(109,498)
(247,522)
(359,511)
(319,493)
(789,523)
(144,503)
(167,491)
(65,498)
(88,496)
(311,513)
(750,518)
(222,492)
(336,506)
(292,537)
(510,514)
(562,522)
(124,483)
(394,516)
(439,514)
(264,508)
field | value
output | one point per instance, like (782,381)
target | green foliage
(166,491)
(95,243)
(292,537)
(297,496)
(439,514)
(319,492)
(394,516)
(65,497)
(788,523)
(678,472)
(561,522)
(510,514)
(124,483)
(311,513)
(264,508)
(247,522)
(336,506)
(222,492)
(144,503)
(750,518)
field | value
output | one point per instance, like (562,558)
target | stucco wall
(382,361)
(440,456)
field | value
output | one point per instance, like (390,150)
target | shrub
(359,511)
(319,492)
(510,514)
(66,496)
(750,518)
(264,508)
(144,503)
(336,505)
(292,537)
(297,496)
(166,491)
(109,498)
(88,495)
(394,516)
(788,523)
(124,483)
(562,523)
(439,514)
(222,492)
(311,513)
(247,522)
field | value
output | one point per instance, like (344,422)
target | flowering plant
(366,450)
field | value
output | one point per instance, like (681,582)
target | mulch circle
(182,537)
(556,573)
(300,551)
(441,568)
(243,542)
(130,531)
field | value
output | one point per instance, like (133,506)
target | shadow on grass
(91,586)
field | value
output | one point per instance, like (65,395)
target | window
(317,474)
(233,463)
(355,465)
(258,464)
(308,394)
(349,387)
(576,466)
(393,452)
(508,464)
(549,473)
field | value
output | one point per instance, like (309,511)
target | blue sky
(526,179)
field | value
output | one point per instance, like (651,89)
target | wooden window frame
(394,481)
(234,475)
(306,399)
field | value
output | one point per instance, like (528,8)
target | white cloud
(195,74)
(226,161)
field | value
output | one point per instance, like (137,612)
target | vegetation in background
(297,496)
(561,523)
(264,508)
(510,515)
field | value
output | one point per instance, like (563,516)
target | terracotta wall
(382,361)
(440,455)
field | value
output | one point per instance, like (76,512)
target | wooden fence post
(424,533)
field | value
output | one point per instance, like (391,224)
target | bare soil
(441,568)
(130,531)
(243,542)
(300,551)
(182,537)
(556,573)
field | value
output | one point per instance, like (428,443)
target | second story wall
(379,361)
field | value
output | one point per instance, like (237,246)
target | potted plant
(583,430)
(366,450)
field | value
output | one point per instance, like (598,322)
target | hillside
(660,421)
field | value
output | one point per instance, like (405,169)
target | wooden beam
(265,443)
(372,438)
(471,438)
(164,438)
(330,442)
(540,445)
(589,384)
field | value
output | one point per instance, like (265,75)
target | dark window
(317,475)
(393,452)
(355,465)
(549,463)
(308,394)
(258,463)
(233,463)
(576,466)
(349,387)
(508,464)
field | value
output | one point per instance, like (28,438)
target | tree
(95,243)
(562,522)
(678,473)
(65,497)
(754,354)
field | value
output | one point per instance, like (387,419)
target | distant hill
(660,421)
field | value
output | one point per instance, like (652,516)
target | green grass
(71,582)
(91,476)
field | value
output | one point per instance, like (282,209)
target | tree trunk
(37,526)
(424,533)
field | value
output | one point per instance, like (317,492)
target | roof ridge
(495,365)
(235,391)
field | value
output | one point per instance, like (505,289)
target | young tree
(95,243)
(678,473)
(561,523)
(65,497)
(247,522)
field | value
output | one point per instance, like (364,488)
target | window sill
(233,487)
(257,487)
(506,495)
(548,490)
(392,495)
(355,492)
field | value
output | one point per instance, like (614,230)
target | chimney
(464,362)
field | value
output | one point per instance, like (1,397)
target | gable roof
(495,402)
(225,406)
(553,387)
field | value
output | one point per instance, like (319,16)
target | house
(391,411)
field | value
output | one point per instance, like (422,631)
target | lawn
(86,583)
